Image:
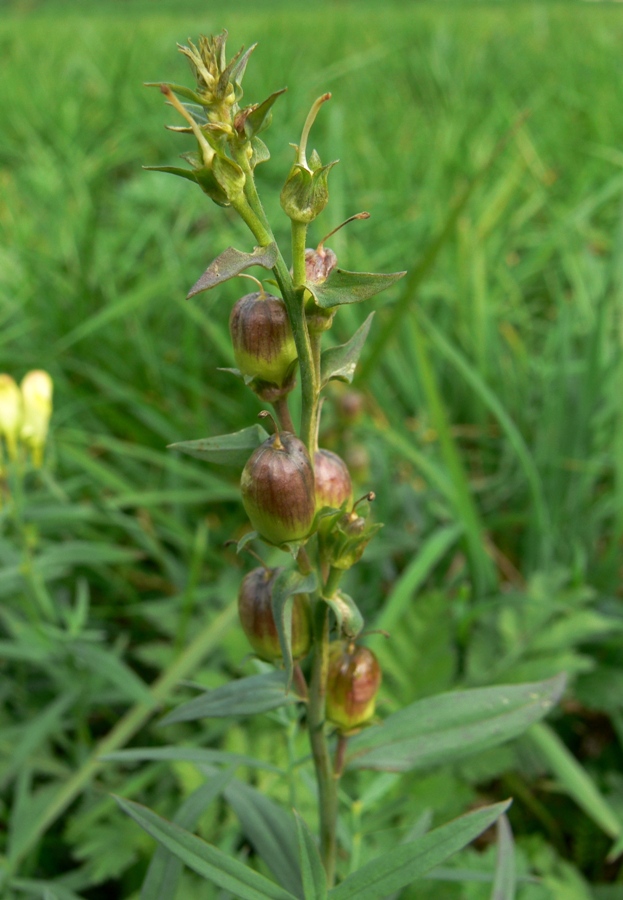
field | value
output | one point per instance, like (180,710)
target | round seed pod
(257,620)
(277,487)
(333,482)
(352,685)
(262,338)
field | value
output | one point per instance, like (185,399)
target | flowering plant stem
(308,349)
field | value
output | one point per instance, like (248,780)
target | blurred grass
(493,424)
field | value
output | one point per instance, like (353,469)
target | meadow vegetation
(486,141)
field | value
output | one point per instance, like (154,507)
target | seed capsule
(258,623)
(277,486)
(352,685)
(333,482)
(262,338)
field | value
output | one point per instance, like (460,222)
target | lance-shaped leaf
(452,726)
(232,262)
(179,89)
(256,118)
(225,449)
(287,584)
(505,883)
(403,865)
(341,362)
(349,619)
(270,829)
(208,861)
(245,697)
(165,869)
(201,174)
(312,870)
(200,755)
(350,287)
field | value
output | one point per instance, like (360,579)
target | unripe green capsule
(257,620)
(353,682)
(277,487)
(262,338)
(333,482)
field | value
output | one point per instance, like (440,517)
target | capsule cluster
(288,497)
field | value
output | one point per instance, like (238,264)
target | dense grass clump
(487,142)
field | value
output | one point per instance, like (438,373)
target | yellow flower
(10,413)
(37,408)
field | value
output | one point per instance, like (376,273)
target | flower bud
(306,192)
(262,338)
(352,685)
(277,486)
(10,413)
(37,408)
(258,623)
(333,482)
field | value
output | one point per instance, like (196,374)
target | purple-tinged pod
(353,682)
(262,338)
(278,489)
(257,620)
(333,481)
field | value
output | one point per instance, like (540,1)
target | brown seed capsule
(257,620)
(352,685)
(333,482)
(277,486)
(262,338)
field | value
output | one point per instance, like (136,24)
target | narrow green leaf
(271,831)
(189,174)
(575,779)
(505,883)
(287,584)
(401,597)
(418,273)
(109,667)
(349,619)
(340,362)
(452,726)
(47,890)
(48,722)
(179,89)
(225,449)
(312,870)
(232,262)
(259,119)
(350,287)
(165,868)
(245,697)
(208,861)
(405,864)
(199,755)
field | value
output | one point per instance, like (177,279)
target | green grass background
(493,384)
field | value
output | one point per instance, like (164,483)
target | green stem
(327,783)
(299,240)
(308,350)
(332,582)
(255,219)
